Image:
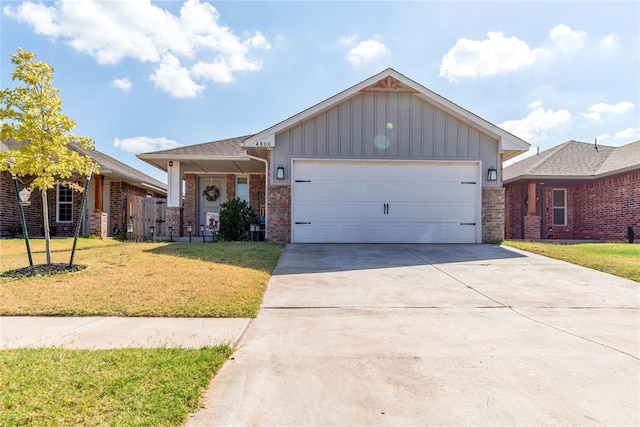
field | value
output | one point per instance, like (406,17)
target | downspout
(266,192)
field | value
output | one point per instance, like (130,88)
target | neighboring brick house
(581,191)
(106,209)
(385,161)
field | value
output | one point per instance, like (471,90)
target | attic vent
(389,84)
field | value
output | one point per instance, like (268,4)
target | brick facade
(603,209)
(600,209)
(493,200)
(9,214)
(280,213)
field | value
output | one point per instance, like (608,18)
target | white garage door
(385,202)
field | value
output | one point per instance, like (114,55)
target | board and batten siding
(378,125)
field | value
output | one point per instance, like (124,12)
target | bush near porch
(140,279)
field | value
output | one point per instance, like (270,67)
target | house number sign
(267,142)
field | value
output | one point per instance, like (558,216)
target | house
(581,191)
(384,161)
(106,208)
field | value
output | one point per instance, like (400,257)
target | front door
(211,194)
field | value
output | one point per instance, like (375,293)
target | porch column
(98,194)
(532,221)
(98,221)
(174,197)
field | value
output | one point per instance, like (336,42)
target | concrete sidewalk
(118,332)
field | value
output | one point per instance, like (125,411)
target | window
(559,206)
(242,188)
(64,207)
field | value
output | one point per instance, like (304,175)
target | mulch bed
(41,270)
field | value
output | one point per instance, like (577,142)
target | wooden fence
(143,213)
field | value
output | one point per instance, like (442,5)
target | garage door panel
(385,202)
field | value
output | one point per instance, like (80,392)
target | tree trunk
(47,236)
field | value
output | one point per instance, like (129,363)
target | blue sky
(141,76)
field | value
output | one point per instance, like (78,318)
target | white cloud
(629,134)
(122,84)
(498,54)
(175,79)
(566,40)
(596,111)
(609,41)
(534,127)
(365,51)
(348,40)
(111,31)
(144,144)
(482,58)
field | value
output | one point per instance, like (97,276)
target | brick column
(492,214)
(279,213)
(172,216)
(190,201)
(98,224)
(532,227)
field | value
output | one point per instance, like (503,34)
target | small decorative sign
(212,221)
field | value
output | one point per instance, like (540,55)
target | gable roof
(509,145)
(575,160)
(111,167)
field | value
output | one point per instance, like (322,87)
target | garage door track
(433,335)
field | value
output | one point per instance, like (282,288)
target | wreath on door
(211,193)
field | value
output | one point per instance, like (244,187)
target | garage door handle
(300,222)
(303,180)
(385,208)
(467,223)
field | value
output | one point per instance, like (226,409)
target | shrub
(235,218)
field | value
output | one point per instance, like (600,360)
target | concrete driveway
(433,335)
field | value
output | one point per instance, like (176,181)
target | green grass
(157,279)
(620,259)
(125,387)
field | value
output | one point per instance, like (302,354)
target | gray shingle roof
(230,147)
(574,159)
(109,165)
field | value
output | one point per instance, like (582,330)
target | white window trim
(248,186)
(554,207)
(58,203)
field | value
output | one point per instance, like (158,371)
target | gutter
(266,192)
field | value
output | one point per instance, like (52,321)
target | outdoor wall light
(24,197)
(492,174)
(280,172)
(152,230)
(170,163)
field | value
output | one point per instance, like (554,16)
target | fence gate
(143,213)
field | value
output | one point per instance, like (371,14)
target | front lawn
(125,387)
(140,279)
(620,259)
